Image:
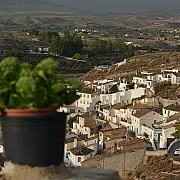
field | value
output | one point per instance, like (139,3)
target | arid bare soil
(157,168)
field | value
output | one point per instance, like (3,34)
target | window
(80,95)
(165,112)
(84,95)
(87,102)
(87,96)
(84,102)
(154,121)
(79,159)
(168,113)
(81,101)
(72,110)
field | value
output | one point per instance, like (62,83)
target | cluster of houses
(148,79)
(106,121)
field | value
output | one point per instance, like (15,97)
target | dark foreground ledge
(16,172)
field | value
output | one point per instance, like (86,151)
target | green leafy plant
(22,86)
(176,134)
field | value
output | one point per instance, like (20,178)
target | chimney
(134,103)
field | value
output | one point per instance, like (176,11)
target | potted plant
(33,131)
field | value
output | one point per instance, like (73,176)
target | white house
(175,78)
(80,154)
(153,134)
(139,80)
(168,129)
(69,144)
(167,132)
(144,117)
(108,113)
(122,84)
(70,109)
(171,110)
(88,99)
(124,97)
(78,149)
(91,143)
(86,124)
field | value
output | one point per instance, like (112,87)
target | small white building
(167,132)
(88,99)
(154,132)
(175,78)
(139,80)
(108,113)
(171,110)
(146,118)
(70,109)
(168,129)
(86,124)
(80,154)
(79,148)
(124,97)
(91,143)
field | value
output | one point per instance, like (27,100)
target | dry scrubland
(150,62)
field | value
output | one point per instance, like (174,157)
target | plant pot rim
(29,112)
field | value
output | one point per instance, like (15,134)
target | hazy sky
(120,5)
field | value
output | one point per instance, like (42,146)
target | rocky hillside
(150,62)
(157,168)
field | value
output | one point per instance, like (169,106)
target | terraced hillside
(150,62)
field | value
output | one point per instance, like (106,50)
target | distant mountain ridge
(34,6)
(152,14)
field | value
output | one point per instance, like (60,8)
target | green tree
(176,134)
(177,48)
(33,31)
(47,35)
(70,121)
(77,56)
(114,89)
(14,53)
(55,45)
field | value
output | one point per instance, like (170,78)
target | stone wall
(156,153)
(124,162)
(135,145)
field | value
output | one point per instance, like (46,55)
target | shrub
(22,86)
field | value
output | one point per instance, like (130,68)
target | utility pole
(124,169)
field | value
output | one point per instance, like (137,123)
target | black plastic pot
(34,138)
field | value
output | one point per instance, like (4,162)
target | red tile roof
(168,126)
(173,107)
(142,113)
(173,117)
(112,130)
(92,124)
(139,106)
